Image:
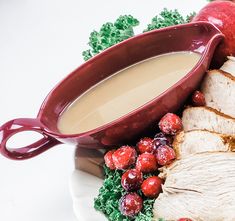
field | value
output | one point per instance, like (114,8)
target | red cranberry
(132,180)
(130,204)
(152,186)
(146,162)
(146,145)
(108,159)
(161,139)
(198,99)
(184,219)
(165,155)
(170,124)
(124,157)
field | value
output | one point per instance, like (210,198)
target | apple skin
(222,15)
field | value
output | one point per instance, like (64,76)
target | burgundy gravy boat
(201,37)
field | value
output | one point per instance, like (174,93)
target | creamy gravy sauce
(125,91)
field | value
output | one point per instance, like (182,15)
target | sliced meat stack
(200,187)
(229,66)
(219,90)
(200,184)
(205,118)
(200,141)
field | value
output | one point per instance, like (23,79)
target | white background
(41,41)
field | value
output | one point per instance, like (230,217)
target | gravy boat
(200,37)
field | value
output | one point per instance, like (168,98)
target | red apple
(222,15)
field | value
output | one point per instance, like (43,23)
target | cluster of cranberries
(145,158)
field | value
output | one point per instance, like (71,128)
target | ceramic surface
(84,188)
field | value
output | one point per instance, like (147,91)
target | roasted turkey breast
(199,141)
(229,65)
(205,118)
(219,90)
(200,187)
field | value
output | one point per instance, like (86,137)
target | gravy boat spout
(200,37)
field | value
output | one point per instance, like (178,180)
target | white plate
(84,188)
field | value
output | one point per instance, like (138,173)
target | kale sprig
(110,34)
(107,201)
(109,194)
(123,28)
(168,18)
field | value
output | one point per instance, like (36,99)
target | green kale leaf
(107,201)
(168,18)
(110,34)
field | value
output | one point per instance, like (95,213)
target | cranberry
(184,219)
(170,124)
(152,186)
(108,159)
(161,139)
(165,155)
(146,162)
(132,180)
(146,145)
(124,157)
(198,99)
(130,204)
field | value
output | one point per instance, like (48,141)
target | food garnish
(130,204)
(132,180)
(165,155)
(198,99)
(110,34)
(124,157)
(168,18)
(111,192)
(146,163)
(108,159)
(129,190)
(161,139)
(152,186)
(146,145)
(170,124)
(123,28)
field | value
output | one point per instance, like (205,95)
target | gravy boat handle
(24,124)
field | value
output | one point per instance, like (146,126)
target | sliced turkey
(199,141)
(200,184)
(205,118)
(229,66)
(200,187)
(219,90)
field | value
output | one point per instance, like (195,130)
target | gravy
(125,91)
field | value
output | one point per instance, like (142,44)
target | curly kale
(109,194)
(107,201)
(168,18)
(190,17)
(110,34)
(164,19)
(147,212)
(123,28)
